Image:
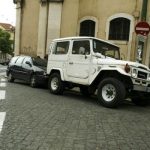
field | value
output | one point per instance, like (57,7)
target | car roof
(82,38)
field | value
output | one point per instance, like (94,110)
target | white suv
(93,64)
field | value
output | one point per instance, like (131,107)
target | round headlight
(134,73)
(127,68)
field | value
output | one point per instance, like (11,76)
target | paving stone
(38,120)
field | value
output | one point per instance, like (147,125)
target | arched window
(87,28)
(119,29)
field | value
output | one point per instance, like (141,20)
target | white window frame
(131,30)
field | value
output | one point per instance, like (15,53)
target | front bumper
(141,85)
(141,88)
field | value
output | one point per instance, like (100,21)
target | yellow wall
(29,28)
(69,18)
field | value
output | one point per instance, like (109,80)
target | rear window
(39,62)
(13,60)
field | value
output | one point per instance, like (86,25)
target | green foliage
(5,42)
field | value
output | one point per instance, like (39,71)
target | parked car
(27,68)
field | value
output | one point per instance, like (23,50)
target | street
(34,119)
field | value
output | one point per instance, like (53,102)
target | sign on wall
(142,28)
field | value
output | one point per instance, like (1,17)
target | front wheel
(56,86)
(111,92)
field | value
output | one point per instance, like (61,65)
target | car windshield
(106,49)
(39,62)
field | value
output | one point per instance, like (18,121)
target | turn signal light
(127,68)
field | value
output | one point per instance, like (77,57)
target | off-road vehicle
(95,66)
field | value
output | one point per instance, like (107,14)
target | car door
(27,68)
(78,64)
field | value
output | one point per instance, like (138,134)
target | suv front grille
(142,75)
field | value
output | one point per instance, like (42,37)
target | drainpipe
(144,10)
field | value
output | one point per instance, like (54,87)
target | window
(19,61)
(25,65)
(81,47)
(87,28)
(106,49)
(61,48)
(119,29)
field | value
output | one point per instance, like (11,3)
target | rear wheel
(10,77)
(111,92)
(56,86)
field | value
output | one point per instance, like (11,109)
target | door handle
(71,63)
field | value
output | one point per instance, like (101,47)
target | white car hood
(111,61)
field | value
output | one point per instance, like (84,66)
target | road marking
(3,80)
(2,84)
(2,94)
(2,119)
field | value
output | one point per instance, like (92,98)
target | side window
(19,61)
(61,48)
(81,47)
(27,59)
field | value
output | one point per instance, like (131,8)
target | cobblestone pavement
(34,119)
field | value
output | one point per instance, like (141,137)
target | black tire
(111,92)
(33,83)
(140,101)
(10,77)
(55,84)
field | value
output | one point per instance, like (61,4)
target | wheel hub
(108,92)
(54,83)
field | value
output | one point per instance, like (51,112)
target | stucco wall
(29,27)
(69,18)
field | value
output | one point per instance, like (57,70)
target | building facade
(41,21)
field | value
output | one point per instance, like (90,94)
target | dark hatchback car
(27,68)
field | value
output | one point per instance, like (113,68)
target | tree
(5,42)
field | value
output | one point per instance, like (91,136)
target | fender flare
(57,70)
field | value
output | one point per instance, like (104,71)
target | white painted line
(2,84)
(2,119)
(143,29)
(2,94)
(3,80)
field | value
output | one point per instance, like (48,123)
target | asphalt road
(34,119)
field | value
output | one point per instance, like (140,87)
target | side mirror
(27,62)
